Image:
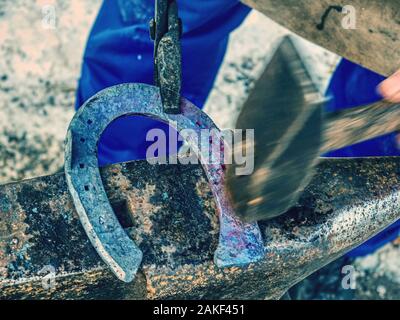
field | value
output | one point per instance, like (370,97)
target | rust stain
(210,208)
(142,209)
(14,240)
(163,282)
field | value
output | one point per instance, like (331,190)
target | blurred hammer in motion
(291,131)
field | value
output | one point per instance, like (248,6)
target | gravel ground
(376,277)
(38,75)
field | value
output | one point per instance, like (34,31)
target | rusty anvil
(39,227)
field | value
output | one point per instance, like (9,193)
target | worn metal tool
(292,130)
(239,243)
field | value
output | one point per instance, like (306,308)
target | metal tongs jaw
(166,31)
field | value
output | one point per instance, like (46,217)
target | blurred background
(39,68)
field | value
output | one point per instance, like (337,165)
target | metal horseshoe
(239,243)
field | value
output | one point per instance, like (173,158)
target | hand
(390,88)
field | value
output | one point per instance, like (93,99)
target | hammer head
(285,111)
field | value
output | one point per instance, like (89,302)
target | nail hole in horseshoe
(89,121)
(83,140)
(86,188)
(81,165)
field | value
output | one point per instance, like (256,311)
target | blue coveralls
(119,50)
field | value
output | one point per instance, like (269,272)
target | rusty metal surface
(347,202)
(240,243)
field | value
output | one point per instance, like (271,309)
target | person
(119,50)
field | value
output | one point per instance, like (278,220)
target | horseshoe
(239,243)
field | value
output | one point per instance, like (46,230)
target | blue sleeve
(119,50)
